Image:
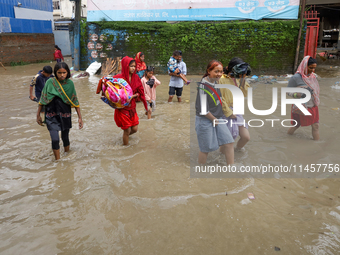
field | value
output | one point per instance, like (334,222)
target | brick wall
(26,47)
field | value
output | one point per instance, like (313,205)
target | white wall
(62,39)
(25,13)
(66,10)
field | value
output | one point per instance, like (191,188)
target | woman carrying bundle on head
(234,74)
(210,134)
(305,78)
(58,96)
(127,118)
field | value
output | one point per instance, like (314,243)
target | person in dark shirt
(39,82)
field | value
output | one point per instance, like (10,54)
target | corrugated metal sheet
(6,10)
(7,6)
(30,26)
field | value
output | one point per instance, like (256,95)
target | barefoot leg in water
(126,136)
(315,131)
(292,130)
(56,154)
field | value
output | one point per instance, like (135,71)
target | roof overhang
(318,2)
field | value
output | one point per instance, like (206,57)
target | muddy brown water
(103,198)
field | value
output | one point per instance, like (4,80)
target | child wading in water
(236,123)
(127,118)
(150,83)
(140,64)
(173,66)
(211,135)
(58,96)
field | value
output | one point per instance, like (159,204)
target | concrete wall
(26,47)
(62,39)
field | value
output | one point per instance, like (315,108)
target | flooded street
(103,198)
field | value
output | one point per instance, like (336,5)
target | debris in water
(226,193)
(336,86)
(277,248)
(251,196)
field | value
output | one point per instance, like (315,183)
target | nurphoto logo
(238,102)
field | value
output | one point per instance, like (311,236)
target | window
(56,5)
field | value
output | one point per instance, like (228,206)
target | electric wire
(101,10)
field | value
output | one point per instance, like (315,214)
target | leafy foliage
(263,44)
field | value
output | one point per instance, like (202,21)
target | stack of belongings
(116,92)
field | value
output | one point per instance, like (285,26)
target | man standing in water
(176,82)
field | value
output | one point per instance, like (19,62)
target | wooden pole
(339,39)
(303,4)
(321,31)
(3,66)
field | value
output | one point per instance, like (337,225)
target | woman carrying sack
(305,78)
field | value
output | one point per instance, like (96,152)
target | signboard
(189,10)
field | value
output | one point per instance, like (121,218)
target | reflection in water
(103,198)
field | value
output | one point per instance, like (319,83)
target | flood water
(104,198)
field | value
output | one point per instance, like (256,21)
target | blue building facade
(26,16)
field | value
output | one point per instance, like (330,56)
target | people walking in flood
(127,118)
(140,64)
(210,134)
(58,96)
(176,82)
(150,83)
(58,56)
(38,82)
(234,74)
(305,78)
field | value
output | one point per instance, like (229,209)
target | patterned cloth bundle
(116,92)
